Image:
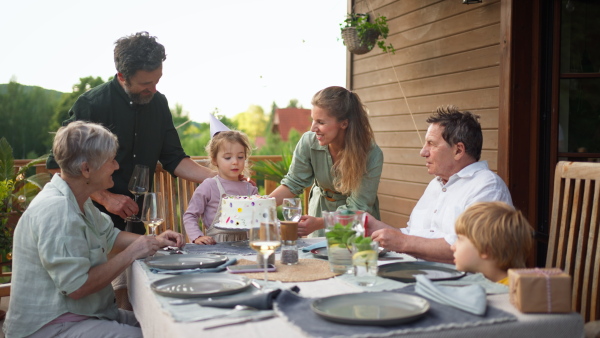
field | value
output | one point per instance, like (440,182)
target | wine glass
(138,185)
(153,211)
(264,234)
(292,209)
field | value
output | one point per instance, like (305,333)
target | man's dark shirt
(146,133)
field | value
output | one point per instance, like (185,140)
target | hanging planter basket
(354,43)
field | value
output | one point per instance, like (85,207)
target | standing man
(131,108)
(452,151)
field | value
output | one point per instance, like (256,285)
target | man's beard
(138,98)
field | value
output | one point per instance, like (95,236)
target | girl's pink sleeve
(195,210)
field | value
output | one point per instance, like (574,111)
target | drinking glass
(153,211)
(364,261)
(138,185)
(264,234)
(292,209)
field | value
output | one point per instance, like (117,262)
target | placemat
(305,271)
(296,310)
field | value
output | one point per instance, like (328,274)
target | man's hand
(116,204)
(206,240)
(372,225)
(170,238)
(429,249)
(391,239)
(309,224)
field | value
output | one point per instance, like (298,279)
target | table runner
(296,310)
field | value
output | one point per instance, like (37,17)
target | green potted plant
(360,34)
(16,191)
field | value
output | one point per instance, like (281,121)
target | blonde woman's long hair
(343,104)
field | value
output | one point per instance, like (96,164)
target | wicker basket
(353,43)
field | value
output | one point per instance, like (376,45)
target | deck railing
(179,191)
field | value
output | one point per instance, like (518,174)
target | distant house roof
(259,141)
(287,119)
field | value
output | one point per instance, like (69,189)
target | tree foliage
(25,112)
(253,121)
(30,116)
(61,110)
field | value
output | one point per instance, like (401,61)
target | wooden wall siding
(446,53)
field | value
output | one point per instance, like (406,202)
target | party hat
(216,126)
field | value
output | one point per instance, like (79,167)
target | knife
(184,301)
(245,320)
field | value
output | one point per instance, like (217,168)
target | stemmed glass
(153,211)
(138,185)
(292,209)
(264,234)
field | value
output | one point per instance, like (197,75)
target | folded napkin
(469,298)
(317,245)
(261,301)
(219,268)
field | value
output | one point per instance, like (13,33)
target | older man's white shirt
(441,204)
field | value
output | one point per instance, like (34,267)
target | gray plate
(200,285)
(322,252)
(371,308)
(406,271)
(181,262)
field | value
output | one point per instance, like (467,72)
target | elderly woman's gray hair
(80,142)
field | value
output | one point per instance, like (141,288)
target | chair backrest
(185,192)
(165,183)
(574,232)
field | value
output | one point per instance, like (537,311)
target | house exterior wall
(446,53)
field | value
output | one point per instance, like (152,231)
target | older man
(452,151)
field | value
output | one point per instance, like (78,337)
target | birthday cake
(236,211)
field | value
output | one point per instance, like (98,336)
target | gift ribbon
(547,273)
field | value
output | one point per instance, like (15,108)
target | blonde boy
(492,238)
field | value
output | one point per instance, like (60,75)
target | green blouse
(312,164)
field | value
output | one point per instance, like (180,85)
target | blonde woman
(338,157)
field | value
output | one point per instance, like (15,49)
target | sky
(224,55)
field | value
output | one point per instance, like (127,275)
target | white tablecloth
(156,321)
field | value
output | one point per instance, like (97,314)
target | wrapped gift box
(540,290)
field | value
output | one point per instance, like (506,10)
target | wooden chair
(185,192)
(574,231)
(167,184)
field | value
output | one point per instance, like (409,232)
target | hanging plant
(360,35)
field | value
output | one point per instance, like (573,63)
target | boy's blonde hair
(230,136)
(498,230)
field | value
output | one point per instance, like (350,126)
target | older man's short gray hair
(80,142)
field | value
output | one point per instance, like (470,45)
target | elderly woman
(62,273)
(339,156)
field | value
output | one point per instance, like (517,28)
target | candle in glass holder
(289,248)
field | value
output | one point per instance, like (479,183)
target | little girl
(229,152)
